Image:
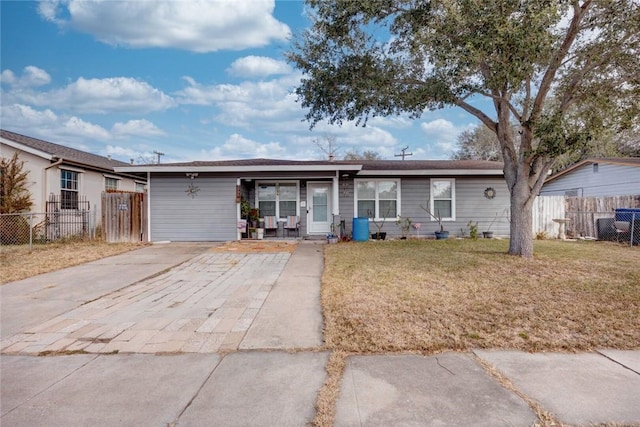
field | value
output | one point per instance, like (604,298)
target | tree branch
(556,61)
(477,113)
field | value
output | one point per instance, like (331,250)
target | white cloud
(31,77)
(195,25)
(7,77)
(47,125)
(443,134)
(25,117)
(136,128)
(238,147)
(139,154)
(77,126)
(257,66)
(266,102)
(115,94)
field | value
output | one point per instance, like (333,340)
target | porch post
(149,238)
(238,204)
(335,208)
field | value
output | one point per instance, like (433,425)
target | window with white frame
(443,199)
(140,187)
(69,189)
(278,199)
(110,184)
(377,198)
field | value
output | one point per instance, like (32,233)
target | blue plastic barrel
(360,229)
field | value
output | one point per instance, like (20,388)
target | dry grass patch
(252,246)
(328,394)
(431,296)
(19,263)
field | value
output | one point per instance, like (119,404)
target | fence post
(633,220)
(30,232)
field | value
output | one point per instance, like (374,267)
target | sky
(195,80)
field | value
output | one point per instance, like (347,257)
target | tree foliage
(562,71)
(478,143)
(14,194)
(365,155)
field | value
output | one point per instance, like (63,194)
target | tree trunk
(521,233)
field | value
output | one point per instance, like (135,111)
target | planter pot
(487,234)
(332,240)
(440,235)
(379,236)
(260,233)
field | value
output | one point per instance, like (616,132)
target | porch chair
(292,224)
(271,224)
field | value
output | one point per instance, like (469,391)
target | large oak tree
(559,70)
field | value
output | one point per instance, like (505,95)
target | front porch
(277,209)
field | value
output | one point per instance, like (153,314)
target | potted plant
(245,209)
(254,216)
(331,237)
(442,234)
(489,234)
(380,235)
(405,226)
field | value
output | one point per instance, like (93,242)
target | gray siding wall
(209,216)
(610,180)
(471,205)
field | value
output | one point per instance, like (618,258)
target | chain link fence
(38,228)
(619,226)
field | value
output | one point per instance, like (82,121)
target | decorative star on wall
(192,190)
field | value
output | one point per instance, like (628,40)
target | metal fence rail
(623,228)
(32,227)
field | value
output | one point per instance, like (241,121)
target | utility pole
(158,153)
(403,155)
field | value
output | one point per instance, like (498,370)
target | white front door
(319,207)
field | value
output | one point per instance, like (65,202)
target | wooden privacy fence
(583,212)
(124,217)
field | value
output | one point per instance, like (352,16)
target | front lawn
(431,296)
(18,262)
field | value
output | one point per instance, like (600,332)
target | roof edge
(22,147)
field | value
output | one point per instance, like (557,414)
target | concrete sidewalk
(274,364)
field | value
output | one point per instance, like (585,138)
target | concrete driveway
(197,300)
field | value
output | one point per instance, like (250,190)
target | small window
(140,187)
(110,184)
(69,189)
(443,200)
(595,168)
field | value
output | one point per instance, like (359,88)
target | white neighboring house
(73,178)
(596,177)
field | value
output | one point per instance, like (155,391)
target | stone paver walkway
(205,305)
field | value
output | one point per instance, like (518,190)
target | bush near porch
(432,296)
